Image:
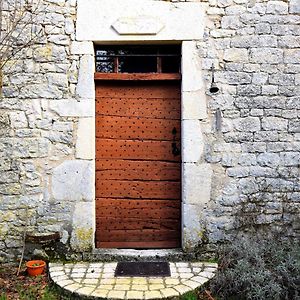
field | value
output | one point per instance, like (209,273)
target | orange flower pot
(35,267)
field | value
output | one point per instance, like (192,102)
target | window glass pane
(170,64)
(137,64)
(138,59)
(104,62)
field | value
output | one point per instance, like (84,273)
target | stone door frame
(195,173)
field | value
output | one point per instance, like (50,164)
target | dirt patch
(24,287)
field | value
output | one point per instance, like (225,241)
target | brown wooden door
(138,171)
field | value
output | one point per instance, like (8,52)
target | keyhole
(174,131)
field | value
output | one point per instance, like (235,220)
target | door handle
(175,149)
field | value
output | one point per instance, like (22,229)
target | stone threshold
(96,280)
(138,255)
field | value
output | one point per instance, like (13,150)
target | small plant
(189,296)
(36,264)
(2,297)
(257,269)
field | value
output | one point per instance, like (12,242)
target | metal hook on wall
(213,87)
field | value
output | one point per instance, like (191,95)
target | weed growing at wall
(255,269)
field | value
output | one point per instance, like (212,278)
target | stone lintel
(182,21)
(139,25)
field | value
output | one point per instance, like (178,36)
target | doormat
(142,269)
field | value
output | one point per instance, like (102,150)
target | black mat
(142,269)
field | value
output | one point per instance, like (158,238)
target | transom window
(138,59)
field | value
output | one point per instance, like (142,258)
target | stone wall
(255,155)
(47,168)
(42,180)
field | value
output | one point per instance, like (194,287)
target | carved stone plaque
(138,25)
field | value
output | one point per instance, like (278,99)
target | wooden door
(138,171)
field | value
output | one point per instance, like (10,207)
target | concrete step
(96,280)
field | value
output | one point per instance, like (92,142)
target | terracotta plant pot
(35,267)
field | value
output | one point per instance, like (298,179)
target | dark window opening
(138,59)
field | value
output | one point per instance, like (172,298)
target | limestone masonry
(239,177)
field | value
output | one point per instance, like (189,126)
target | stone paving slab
(97,280)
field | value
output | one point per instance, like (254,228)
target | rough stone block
(247,159)
(235,10)
(295,6)
(277,7)
(249,90)
(263,29)
(266,55)
(224,3)
(5,164)
(31,148)
(267,41)
(294,125)
(9,177)
(246,41)
(231,22)
(290,159)
(238,172)
(259,78)
(40,91)
(282,79)
(73,108)
(289,41)
(69,26)
(73,180)
(248,124)
(268,160)
(292,56)
(269,90)
(267,136)
(58,79)
(18,119)
(274,123)
(10,188)
(297,79)
(59,39)
(233,77)
(236,55)
(85,144)
(85,85)
(222,33)
(248,186)
(215,11)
